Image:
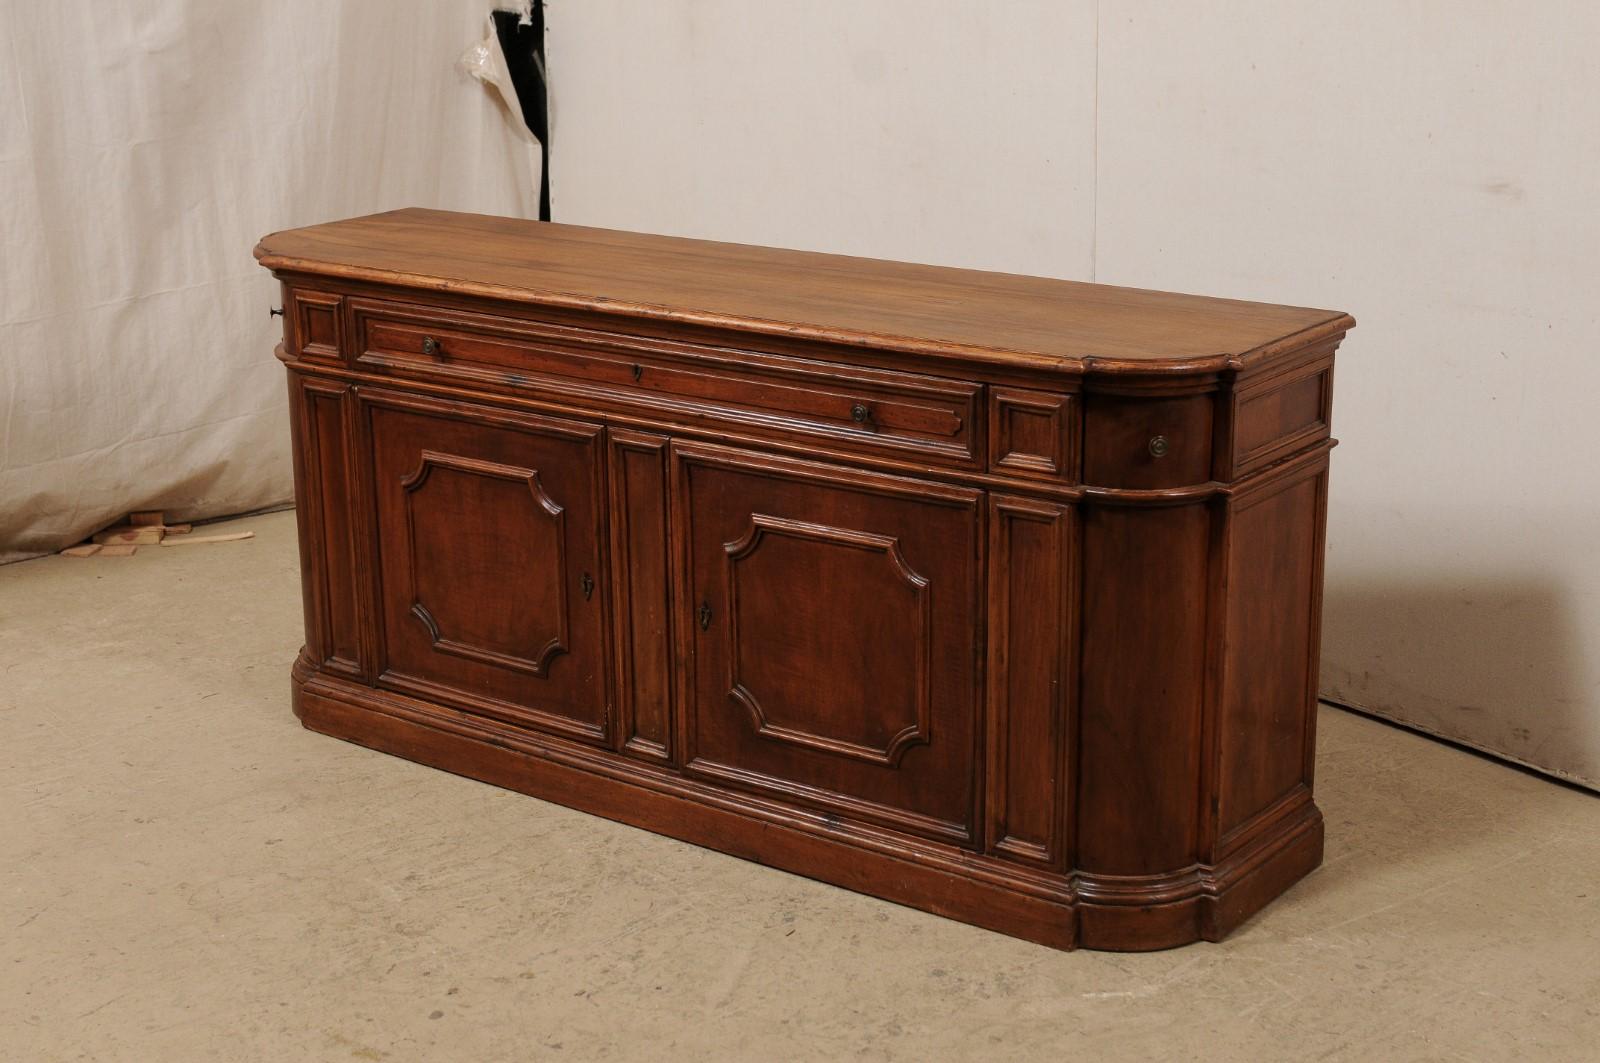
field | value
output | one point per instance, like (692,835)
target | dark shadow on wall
(1496,665)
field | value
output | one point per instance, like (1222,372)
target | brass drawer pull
(1158,446)
(431,346)
(860,414)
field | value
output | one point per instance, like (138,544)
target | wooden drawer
(1147,443)
(856,408)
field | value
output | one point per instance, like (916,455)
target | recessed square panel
(832,634)
(1033,434)
(317,329)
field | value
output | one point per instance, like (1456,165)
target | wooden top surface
(932,310)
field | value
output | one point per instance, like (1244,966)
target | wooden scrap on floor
(127,533)
(145,528)
(190,540)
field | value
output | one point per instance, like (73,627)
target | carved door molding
(828,639)
(916,731)
(414,482)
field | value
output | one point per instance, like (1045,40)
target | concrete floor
(185,874)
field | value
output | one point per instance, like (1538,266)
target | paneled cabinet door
(488,526)
(830,634)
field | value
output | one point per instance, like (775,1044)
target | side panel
(1268,697)
(1144,594)
(1030,674)
(323,505)
(641,585)
(316,324)
(1278,413)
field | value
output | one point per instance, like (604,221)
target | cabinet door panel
(489,534)
(831,637)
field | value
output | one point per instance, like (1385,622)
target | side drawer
(860,409)
(1139,443)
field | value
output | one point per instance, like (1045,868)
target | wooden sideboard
(991,595)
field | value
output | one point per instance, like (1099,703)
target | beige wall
(824,125)
(1432,167)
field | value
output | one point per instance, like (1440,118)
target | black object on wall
(522,43)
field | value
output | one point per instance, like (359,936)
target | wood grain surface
(895,305)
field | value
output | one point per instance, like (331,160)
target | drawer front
(489,551)
(829,624)
(852,408)
(1147,443)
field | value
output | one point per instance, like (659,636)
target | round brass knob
(1158,446)
(431,346)
(859,413)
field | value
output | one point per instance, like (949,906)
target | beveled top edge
(1020,322)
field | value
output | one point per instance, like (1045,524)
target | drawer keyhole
(1159,446)
(587,584)
(703,614)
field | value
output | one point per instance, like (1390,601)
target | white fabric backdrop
(144,147)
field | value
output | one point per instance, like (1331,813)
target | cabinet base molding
(1142,914)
